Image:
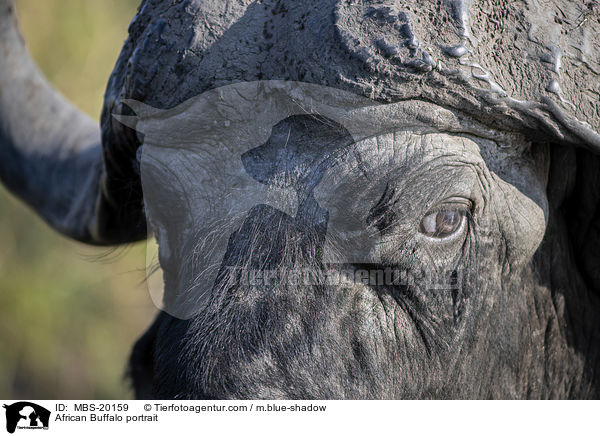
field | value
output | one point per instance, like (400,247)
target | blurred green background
(69,313)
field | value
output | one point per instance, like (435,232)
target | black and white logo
(26,415)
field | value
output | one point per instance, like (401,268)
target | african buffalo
(438,157)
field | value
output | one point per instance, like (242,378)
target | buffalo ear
(574,201)
(582,211)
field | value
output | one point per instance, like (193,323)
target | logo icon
(26,415)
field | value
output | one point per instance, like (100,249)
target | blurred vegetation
(69,313)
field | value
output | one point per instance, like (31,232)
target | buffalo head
(351,199)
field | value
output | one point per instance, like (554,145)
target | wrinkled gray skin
(526,321)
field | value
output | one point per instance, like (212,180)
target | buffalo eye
(443,222)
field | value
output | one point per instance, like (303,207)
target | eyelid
(453,203)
